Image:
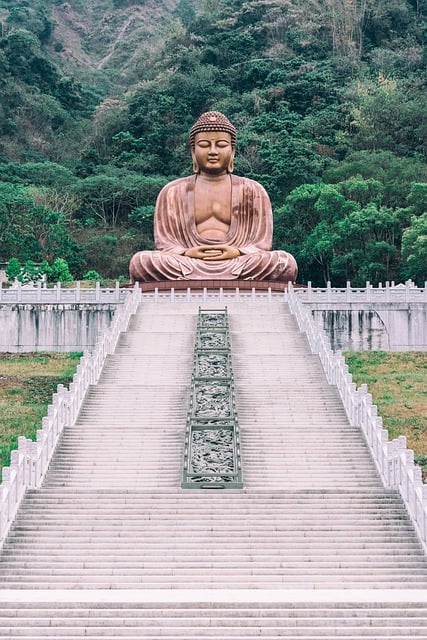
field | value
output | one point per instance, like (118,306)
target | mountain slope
(113,36)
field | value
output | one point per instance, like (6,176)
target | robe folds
(250,230)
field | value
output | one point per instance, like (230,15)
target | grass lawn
(27,382)
(398,384)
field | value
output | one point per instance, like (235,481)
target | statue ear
(230,167)
(196,168)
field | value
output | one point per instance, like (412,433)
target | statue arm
(171,219)
(254,228)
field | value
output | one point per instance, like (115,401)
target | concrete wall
(52,327)
(76,326)
(357,326)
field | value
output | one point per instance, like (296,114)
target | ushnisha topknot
(213,121)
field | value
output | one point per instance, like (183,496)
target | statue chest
(212,209)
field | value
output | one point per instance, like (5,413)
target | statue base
(200,285)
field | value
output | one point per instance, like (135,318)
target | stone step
(173,583)
(314,515)
(246,499)
(136,621)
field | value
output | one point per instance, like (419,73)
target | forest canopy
(328,97)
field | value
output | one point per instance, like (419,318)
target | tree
(60,201)
(414,250)
(108,199)
(30,231)
(347,20)
(29,272)
(42,174)
(13,269)
(16,223)
(389,115)
(396,174)
(59,271)
(342,232)
(369,245)
(35,18)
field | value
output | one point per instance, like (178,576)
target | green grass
(27,382)
(398,385)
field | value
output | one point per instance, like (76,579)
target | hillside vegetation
(328,96)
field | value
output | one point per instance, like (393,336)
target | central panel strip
(212,440)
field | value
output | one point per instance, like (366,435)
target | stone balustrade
(382,294)
(394,461)
(59,294)
(30,461)
(389,293)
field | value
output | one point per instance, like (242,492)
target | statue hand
(213,252)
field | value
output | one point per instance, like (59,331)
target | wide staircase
(312,547)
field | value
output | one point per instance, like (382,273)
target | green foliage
(389,115)
(59,271)
(109,251)
(49,174)
(396,174)
(34,18)
(414,248)
(109,198)
(417,198)
(32,67)
(328,99)
(92,276)
(30,272)
(13,269)
(29,231)
(142,219)
(342,232)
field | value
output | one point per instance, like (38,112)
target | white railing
(58,294)
(30,461)
(394,461)
(75,294)
(206,294)
(407,292)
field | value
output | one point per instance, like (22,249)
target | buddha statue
(213,225)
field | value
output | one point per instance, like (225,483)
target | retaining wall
(52,327)
(385,326)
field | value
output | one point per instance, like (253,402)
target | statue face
(213,153)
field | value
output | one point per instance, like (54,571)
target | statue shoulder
(249,184)
(178,184)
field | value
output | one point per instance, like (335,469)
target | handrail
(308,294)
(394,461)
(30,461)
(390,293)
(38,294)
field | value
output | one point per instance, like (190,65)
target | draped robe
(250,230)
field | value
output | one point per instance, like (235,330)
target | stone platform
(199,285)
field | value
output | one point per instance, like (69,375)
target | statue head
(213,121)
